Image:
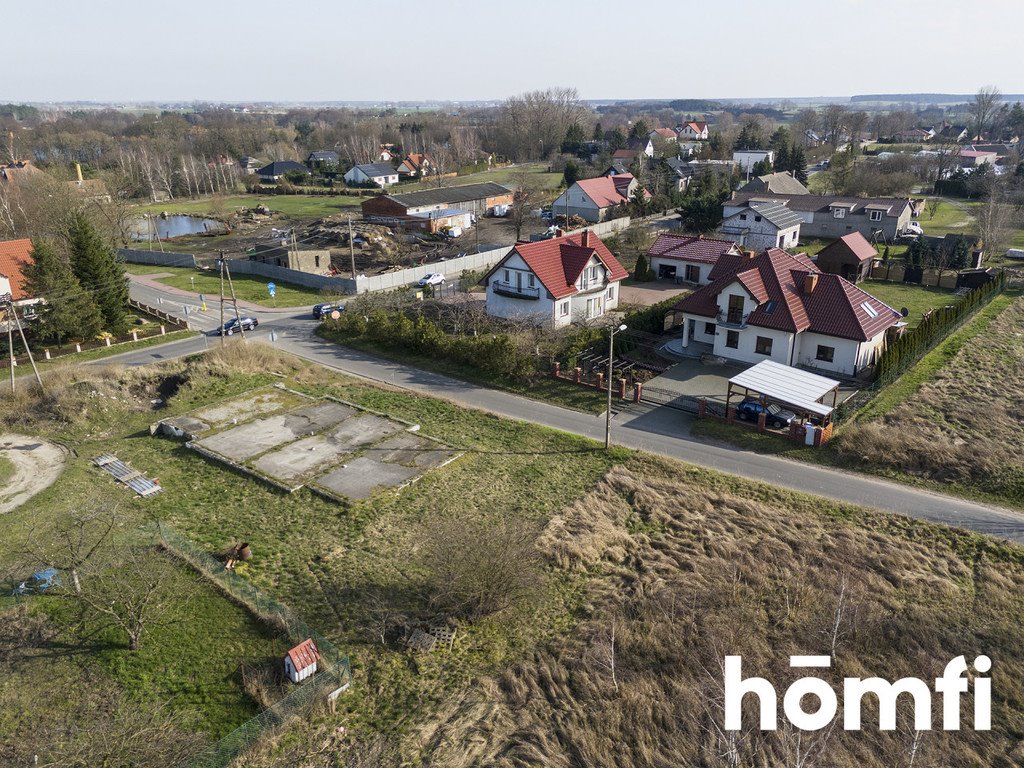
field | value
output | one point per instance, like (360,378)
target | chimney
(749,254)
(700,236)
(558,232)
(810,282)
(585,238)
(78,170)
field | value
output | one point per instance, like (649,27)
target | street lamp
(608,414)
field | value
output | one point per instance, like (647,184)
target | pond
(175,225)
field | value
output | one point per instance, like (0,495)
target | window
(825,354)
(763,345)
(867,307)
(757,218)
(743,217)
(839,213)
(875,215)
(563,309)
(692,273)
(533,280)
(709,329)
(593,273)
(732,339)
(506,276)
(611,293)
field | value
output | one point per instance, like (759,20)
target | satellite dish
(904,312)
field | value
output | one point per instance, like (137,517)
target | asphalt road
(657,430)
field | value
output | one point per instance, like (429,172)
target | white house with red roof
(687,258)
(301,661)
(695,130)
(781,307)
(15,256)
(571,278)
(593,199)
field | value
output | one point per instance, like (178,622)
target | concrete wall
(284,275)
(157,258)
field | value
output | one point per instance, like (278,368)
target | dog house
(301,661)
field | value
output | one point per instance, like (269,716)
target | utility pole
(222,298)
(7,303)
(10,345)
(351,248)
(28,349)
(234,301)
(608,414)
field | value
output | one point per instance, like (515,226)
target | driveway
(693,378)
(646,294)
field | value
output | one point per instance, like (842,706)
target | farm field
(290,206)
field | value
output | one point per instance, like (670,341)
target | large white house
(763,224)
(781,307)
(381,174)
(695,129)
(593,199)
(572,278)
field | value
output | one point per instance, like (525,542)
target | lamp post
(608,413)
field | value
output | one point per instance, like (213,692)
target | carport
(800,391)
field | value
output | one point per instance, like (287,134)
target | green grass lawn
(247,287)
(297,206)
(546,182)
(918,299)
(6,470)
(948,218)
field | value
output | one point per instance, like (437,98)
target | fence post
(622,388)
(107,340)
(600,380)
(761,419)
(135,335)
(702,407)
(556,369)
(638,391)
(46,354)
(163,331)
(78,347)
(578,375)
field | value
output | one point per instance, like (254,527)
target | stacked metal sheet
(121,472)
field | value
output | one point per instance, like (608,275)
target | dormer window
(839,213)
(757,218)
(593,273)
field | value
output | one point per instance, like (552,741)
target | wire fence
(333,669)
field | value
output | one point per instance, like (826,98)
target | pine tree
(798,163)
(69,311)
(98,270)
(640,272)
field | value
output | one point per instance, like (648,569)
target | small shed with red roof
(850,256)
(556,281)
(687,258)
(301,661)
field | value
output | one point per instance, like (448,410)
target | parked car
(238,323)
(775,416)
(320,311)
(433,278)
(913,228)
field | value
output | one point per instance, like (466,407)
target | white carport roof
(791,386)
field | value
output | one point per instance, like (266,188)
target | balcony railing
(732,319)
(516,291)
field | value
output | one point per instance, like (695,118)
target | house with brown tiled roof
(570,278)
(695,130)
(850,257)
(15,256)
(687,258)
(781,307)
(415,164)
(593,199)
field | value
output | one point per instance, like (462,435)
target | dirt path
(37,465)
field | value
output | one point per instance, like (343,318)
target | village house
(571,278)
(249,165)
(381,174)
(433,209)
(694,130)
(686,258)
(277,169)
(850,257)
(913,135)
(323,160)
(746,159)
(15,256)
(829,217)
(780,307)
(781,182)
(625,156)
(414,165)
(593,199)
(279,253)
(761,225)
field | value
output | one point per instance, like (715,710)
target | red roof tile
(835,307)
(558,262)
(607,191)
(304,655)
(665,133)
(15,255)
(706,250)
(623,154)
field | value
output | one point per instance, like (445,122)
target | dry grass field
(962,426)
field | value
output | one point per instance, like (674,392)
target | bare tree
(983,108)
(601,651)
(72,544)
(838,627)
(834,124)
(524,193)
(131,591)
(995,220)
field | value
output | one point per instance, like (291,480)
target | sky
(462,50)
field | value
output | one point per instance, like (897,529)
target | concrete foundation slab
(360,477)
(301,458)
(410,450)
(246,407)
(251,439)
(363,430)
